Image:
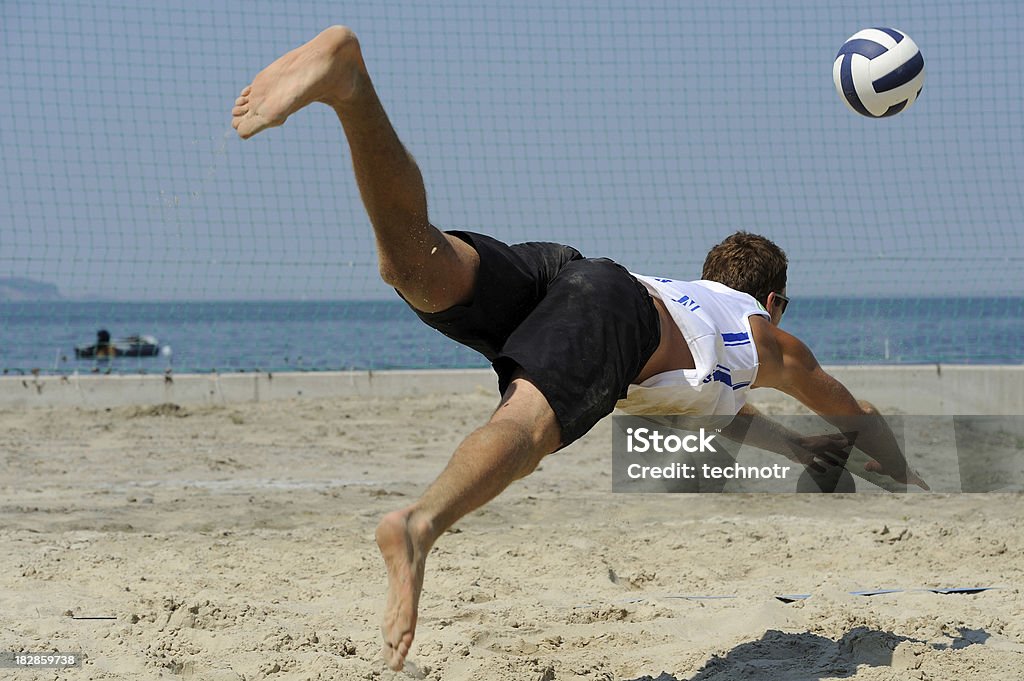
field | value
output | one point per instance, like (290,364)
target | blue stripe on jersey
(720,374)
(740,385)
(733,337)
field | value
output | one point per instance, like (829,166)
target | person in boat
(104,348)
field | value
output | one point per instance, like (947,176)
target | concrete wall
(931,389)
(99,391)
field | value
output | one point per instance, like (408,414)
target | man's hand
(819,451)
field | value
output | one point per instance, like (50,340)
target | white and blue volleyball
(879,72)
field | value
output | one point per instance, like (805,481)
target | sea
(274,336)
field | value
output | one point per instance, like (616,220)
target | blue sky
(643,131)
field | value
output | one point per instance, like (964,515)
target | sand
(236,542)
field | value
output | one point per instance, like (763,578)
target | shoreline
(933,389)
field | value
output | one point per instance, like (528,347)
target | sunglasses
(784,301)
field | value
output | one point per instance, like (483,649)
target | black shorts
(580,328)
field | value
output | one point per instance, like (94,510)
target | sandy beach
(236,542)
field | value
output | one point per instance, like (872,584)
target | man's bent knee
(403,277)
(432,277)
(518,438)
(525,405)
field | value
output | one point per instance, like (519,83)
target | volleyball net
(646,132)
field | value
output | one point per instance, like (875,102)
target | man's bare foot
(404,543)
(325,69)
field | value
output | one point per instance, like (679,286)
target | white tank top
(714,320)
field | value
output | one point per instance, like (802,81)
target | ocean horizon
(326,335)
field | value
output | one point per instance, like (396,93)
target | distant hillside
(16,289)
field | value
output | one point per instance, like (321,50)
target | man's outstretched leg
(520,433)
(431,270)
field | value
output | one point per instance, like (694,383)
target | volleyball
(878,72)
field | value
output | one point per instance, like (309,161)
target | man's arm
(788,365)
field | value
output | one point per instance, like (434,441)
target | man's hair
(749,263)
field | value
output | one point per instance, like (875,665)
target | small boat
(129,346)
